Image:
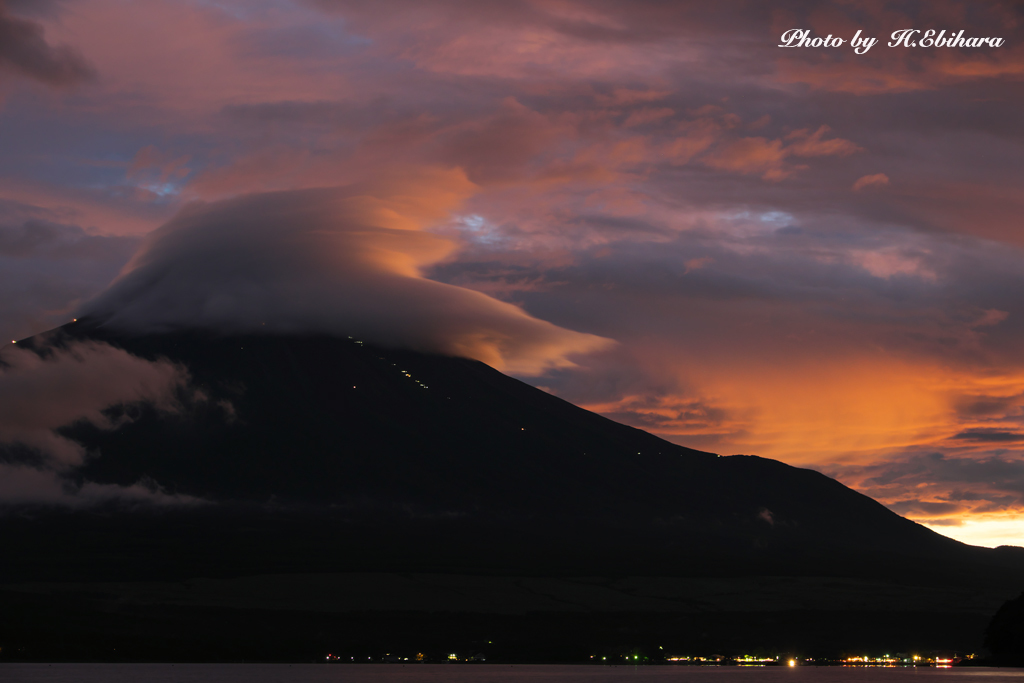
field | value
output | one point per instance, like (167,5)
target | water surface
(483,673)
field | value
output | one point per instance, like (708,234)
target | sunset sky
(645,207)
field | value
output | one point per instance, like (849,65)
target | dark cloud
(920,508)
(1007,474)
(989,406)
(23,49)
(885,289)
(989,435)
(42,239)
(47,269)
(932,486)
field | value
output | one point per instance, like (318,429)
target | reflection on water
(485,673)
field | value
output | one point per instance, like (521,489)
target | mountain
(316,455)
(1004,636)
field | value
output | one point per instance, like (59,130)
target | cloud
(989,435)
(45,239)
(23,49)
(150,165)
(934,484)
(977,498)
(21,486)
(898,70)
(40,393)
(869,180)
(647,115)
(697,263)
(808,339)
(337,260)
(918,508)
(760,155)
(524,39)
(804,143)
(48,268)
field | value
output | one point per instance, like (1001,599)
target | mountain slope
(435,448)
(330,457)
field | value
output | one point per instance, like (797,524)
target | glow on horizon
(984,530)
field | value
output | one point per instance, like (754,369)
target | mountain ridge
(433,435)
(316,460)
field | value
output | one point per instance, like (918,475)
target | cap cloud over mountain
(335,260)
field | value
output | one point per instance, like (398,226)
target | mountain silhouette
(324,455)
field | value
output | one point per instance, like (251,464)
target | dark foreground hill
(391,499)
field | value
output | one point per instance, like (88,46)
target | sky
(645,207)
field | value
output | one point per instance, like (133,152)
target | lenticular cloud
(338,261)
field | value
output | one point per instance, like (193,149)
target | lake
(484,673)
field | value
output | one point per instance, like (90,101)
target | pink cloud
(647,115)
(869,180)
(760,155)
